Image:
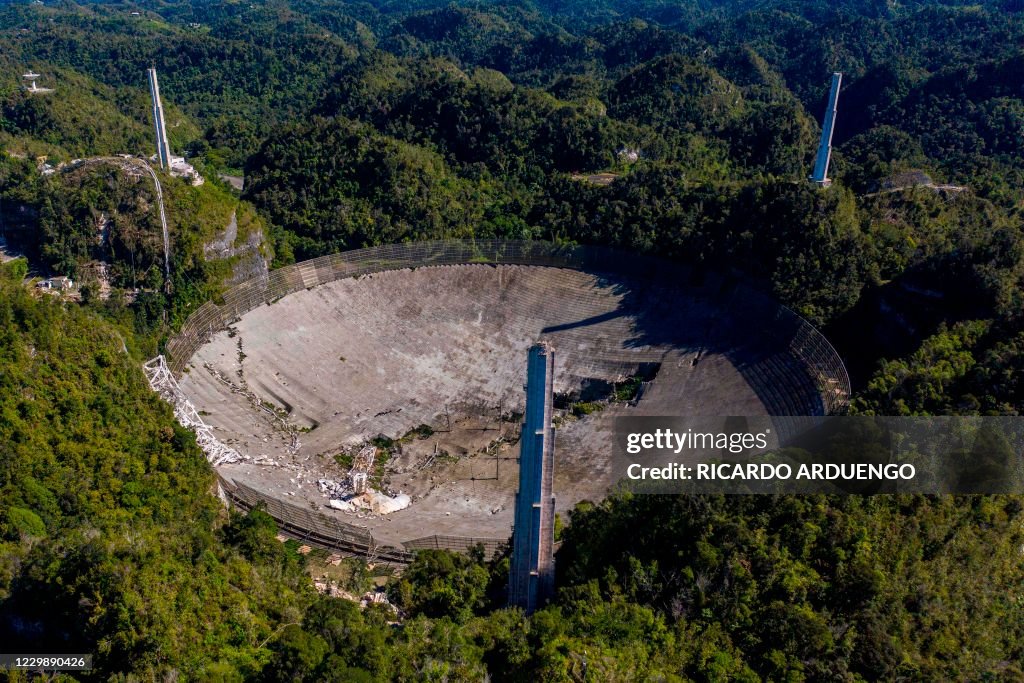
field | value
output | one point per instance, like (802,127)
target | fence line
(316,528)
(312,527)
(461,544)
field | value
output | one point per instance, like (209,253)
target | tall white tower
(163,147)
(820,175)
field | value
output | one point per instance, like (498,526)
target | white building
(59,283)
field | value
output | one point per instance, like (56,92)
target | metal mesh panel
(322,530)
(758,313)
(313,527)
(460,544)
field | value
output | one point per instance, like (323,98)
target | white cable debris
(162,381)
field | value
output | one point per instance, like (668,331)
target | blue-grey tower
(163,147)
(820,175)
(532,572)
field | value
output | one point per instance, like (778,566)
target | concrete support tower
(532,572)
(163,147)
(820,175)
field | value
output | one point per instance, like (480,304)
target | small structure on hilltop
(532,571)
(31,87)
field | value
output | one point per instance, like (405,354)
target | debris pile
(354,494)
(163,383)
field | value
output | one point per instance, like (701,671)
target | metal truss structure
(162,381)
(361,465)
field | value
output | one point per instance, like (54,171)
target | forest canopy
(681,128)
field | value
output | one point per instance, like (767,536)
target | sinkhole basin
(426,345)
